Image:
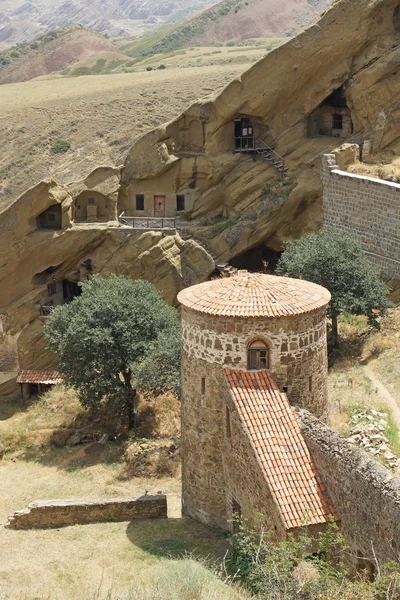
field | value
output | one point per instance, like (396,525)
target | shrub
(60,147)
(162,66)
(149,68)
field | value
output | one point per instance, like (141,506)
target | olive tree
(104,334)
(336,260)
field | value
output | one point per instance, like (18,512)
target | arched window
(258,356)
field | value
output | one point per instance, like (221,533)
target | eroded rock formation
(337,78)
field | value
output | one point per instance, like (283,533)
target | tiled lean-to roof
(255,295)
(280,448)
(45,377)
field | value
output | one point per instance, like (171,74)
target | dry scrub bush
(160,416)
(306,567)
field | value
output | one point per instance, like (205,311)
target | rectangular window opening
(228,426)
(52,289)
(139,201)
(237,516)
(180,202)
(337,121)
(310,384)
(203,386)
(92,201)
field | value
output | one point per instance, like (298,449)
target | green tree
(336,260)
(160,369)
(105,333)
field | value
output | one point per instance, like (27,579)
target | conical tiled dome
(255,295)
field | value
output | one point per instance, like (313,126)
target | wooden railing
(147,222)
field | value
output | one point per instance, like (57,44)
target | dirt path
(384,394)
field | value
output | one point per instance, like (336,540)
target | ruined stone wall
(54,513)
(366,208)
(216,470)
(364,493)
(298,349)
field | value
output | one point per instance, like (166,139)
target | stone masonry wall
(367,208)
(298,349)
(364,493)
(54,513)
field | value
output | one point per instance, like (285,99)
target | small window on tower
(337,121)
(258,356)
(92,201)
(203,386)
(139,201)
(180,202)
(310,384)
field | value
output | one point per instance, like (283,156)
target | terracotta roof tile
(254,295)
(45,377)
(280,447)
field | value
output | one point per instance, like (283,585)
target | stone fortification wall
(367,208)
(297,348)
(54,513)
(364,493)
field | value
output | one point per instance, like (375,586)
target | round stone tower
(247,322)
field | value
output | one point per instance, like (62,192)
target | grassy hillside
(232,20)
(21,21)
(52,52)
(101,116)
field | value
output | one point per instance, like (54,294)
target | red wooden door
(159,206)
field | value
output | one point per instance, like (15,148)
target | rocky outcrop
(31,259)
(346,63)
(352,51)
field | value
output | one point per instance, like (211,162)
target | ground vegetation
(306,567)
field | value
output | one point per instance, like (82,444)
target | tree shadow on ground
(75,458)
(14,404)
(178,538)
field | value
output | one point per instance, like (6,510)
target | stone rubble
(367,426)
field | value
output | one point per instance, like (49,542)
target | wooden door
(159,206)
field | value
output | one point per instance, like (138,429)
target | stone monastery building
(253,344)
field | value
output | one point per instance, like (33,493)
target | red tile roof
(280,448)
(255,295)
(46,377)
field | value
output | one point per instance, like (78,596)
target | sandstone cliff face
(354,47)
(353,52)
(31,259)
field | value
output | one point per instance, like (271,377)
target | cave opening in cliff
(258,259)
(332,117)
(50,218)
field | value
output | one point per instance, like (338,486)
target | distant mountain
(238,20)
(54,51)
(23,20)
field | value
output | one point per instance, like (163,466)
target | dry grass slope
(101,116)
(141,560)
(367,373)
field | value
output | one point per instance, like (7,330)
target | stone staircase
(272,157)
(269,154)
